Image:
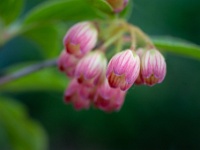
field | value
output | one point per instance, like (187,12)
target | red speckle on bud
(67,63)
(91,68)
(109,99)
(153,67)
(118,5)
(80,39)
(123,70)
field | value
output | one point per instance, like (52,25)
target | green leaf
(4,140)
(23,133)
(68,10)
(177,46)
(10,10)
(48,79)
(101,5)
(46,37)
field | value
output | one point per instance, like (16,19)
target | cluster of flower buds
(87,69)
(94,80)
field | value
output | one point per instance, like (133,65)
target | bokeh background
(166,116)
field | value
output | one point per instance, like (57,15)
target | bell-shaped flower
(91,68)
(80,38)
(109,99)
(123,69)
(153,67)
(79,95)
(67,63)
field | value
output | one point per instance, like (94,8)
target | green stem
(110,41)
(27,70)
(119,45)
(140,33)
(133,37)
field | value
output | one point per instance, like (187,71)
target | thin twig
(27,70)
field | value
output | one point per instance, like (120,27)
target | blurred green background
(166,116)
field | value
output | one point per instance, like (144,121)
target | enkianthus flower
(123,69)
(109,99)
(67,63)
(153,67)
(118,5)
(79,95)
(91,68)
(80,38)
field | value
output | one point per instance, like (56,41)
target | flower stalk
(27,70)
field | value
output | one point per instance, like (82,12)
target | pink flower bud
(80,39)
(153,67)
(123,69)
(91,68)
(109,99)
(118,5)
(79,95)
(67,63)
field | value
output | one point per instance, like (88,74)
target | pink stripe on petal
(83,34)
(153,67)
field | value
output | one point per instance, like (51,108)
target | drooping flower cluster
(94,80)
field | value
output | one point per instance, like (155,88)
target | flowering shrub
(85,55)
